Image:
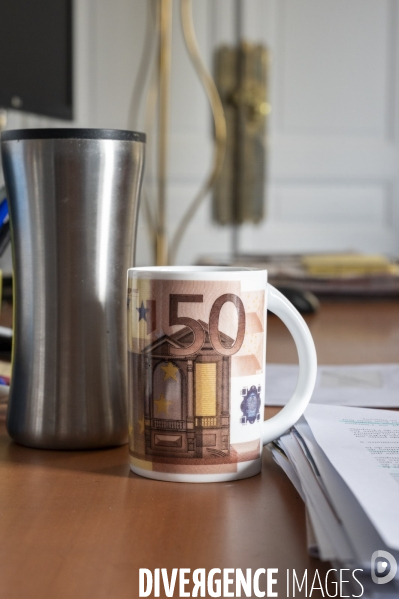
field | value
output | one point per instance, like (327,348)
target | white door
(334,127)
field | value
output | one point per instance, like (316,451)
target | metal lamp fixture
(157,49)
(239,109)
(241,78)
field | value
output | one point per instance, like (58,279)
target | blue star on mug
(142,312)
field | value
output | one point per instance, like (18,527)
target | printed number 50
(198,331)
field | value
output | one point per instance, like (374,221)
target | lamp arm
(219,120)
(146,68)
(147,56)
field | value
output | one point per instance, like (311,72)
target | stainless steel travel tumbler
(73,199)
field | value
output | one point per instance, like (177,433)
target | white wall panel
(310,156)
(302,237)
(333,204)
(334,66)
(119,36)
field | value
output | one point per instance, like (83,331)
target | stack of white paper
(344,462)
(363,385)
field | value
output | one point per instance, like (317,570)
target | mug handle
(290,414)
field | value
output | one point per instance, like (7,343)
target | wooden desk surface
(80,524)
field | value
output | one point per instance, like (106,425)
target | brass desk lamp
(239,108)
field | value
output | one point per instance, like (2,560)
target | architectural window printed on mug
(182,351)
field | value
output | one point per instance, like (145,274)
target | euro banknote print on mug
(196,351)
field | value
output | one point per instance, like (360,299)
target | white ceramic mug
(196,351)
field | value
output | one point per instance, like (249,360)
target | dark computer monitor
(36,56)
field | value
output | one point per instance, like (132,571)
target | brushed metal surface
(73,210)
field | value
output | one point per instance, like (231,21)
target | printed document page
(363,446)
(365,385)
